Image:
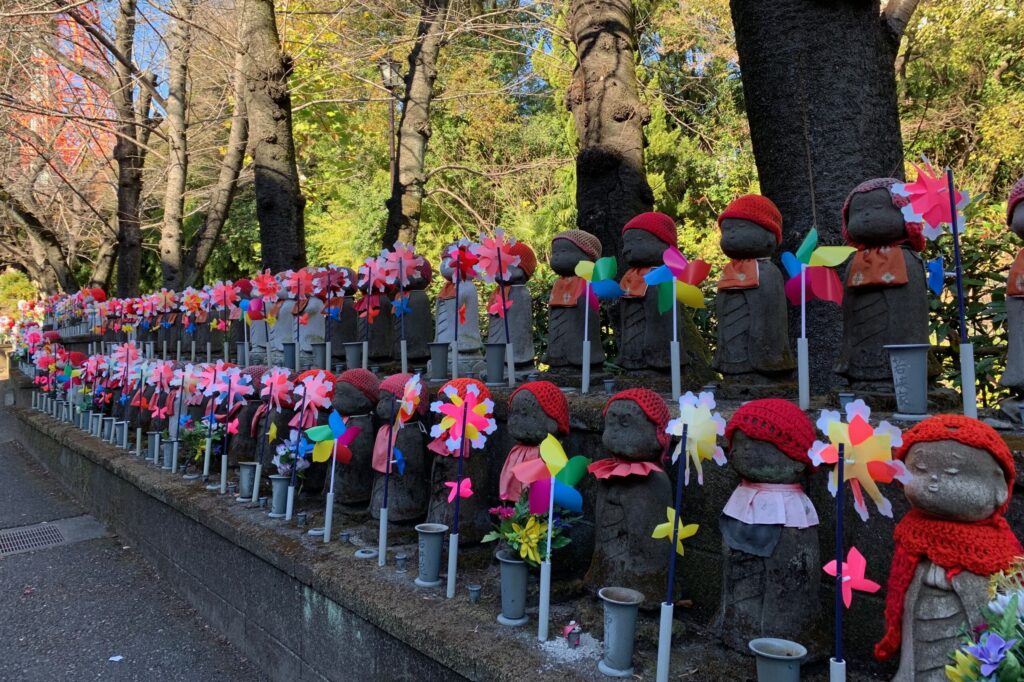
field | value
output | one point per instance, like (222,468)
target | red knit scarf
(983,548)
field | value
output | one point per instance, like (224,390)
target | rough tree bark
(611,186)
(179,44)
(406,199)
(279,200)
(223,192)
(49,256)
(820,90)
(132,128)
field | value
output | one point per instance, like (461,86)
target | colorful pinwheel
(277,387)
(687,276)
(298,283)
(313,393)
(553,469)
(399,265)
(266,286)
(223,295)
(811,276)
(600,279)
(867,458)
(702,430)
(928,201)
(161,375)
(462,259)
(665,530)
(412,393)
(466,417)
(495,258)
(371,276)
(333,438)
(853,571)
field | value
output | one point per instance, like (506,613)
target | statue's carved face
(527,422)
(516,275)
(564,257)
(350,400)
(446,269)
(954,481)
(642,249)
(761,462)
(745,239)
(1017,220)
(874,220)
(628,433)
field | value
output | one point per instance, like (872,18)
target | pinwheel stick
(668,606)
(585,386)
(674,346)
(382,534)
(455,314)
(802,359)
(401,330)
(261,451)
(295,462)
(453,539)
(177,429)
(211,419)
(968,389)
(510,361)
(840,461)
(545,571)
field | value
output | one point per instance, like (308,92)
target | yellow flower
(966,668)
(529,538)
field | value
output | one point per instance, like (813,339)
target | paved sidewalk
(67,610)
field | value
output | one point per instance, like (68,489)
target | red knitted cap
(551,400)
(426,271)
(527,258)
(460,385)
(915,231)
(1016,196)
(652,405)
(775,421)
(587,243)
(971,432)
(364,380)
(244,286)
(658,224)
(758,210)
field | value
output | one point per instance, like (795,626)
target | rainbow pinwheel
(553,469)
(333,438)
(313,393)
(853,571)
(703,427)
(462,488)
(495,258)
(399,265)
(867,458)
(466,417)
(815,263)
(687,276)
(928,201)
(664,530)
(600,279)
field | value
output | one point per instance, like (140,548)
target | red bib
(880,267)
(633,284)
(566,292)
(739,274)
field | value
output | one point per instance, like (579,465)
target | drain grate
(17,540)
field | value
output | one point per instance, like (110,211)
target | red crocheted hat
(587,243)
(652,405)
(971,432)
(775,421)
(460,385)
(758,210)
(426,271)
(1016,196)
(527,258)
(658,224)
(244,286)
(328,377)
(364,380)
(915,231)
(551,400)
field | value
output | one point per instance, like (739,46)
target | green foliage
(14,286)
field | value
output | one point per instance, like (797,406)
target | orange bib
(633,284)
(1015,280)
(880,267)
(447,292)
(739,274)
(566,292)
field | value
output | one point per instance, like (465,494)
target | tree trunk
(47,251)
(820,96)
(406,200)
(227,182)
(279,200)
(611,186)
(177,142)
(104,265)
(129,157)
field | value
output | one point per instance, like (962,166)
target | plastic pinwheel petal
(463,488)
(585,269)
(606,289)
(830,256)
(854,570)
(399,461)
(664,530)
(822,284)
(233,426)
(807,246)
(792,264)
(400,306)
(498,309)
(696,271)
(322,450)
(689,295)
(675,261)
(659,275)
(462,314)
(574,471)
(272,433)
(320,433)
(553,455)
(702,431)
(531,471)
(936,276)
(566,497)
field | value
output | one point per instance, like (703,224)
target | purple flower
(991,652)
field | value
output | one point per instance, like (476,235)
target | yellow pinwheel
(664,530)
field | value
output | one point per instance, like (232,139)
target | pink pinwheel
(371,276)
(854,569)
(95,366)
(499,309)
(462,259)
(463,488)
(411,394)
(266,286)
(233,427)
(298,283)
(277,387)
(400,264)
(237,386)
(494,250)
(223,295)
(466,417)
(867,455)
(185,379)
(125,353)
(330,279)
(159,411)
(314,392)
(161,375)
(210,379)
(928,201)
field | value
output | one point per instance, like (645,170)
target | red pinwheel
(277,388)
(161,375)
(298,283)
(854,569)
(371,276)
(266,286)
(929,201)
(223,295)
(462,259)
(495,258)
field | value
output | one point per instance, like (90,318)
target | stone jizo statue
(566,306)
